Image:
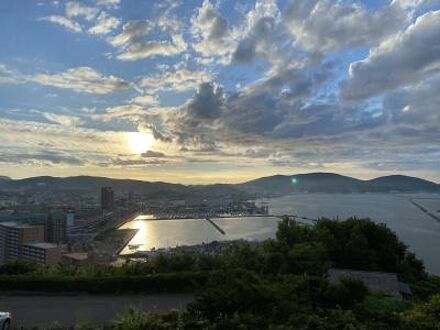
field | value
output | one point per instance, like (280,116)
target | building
(26,242)
(70,219)
(14,235)
(56,229)
(41,252)
(107,198)
(386,283)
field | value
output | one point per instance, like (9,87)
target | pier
(424,210)
(221,231)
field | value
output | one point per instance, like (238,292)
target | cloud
(403,59)
(128,111)
(75,9)
(47,158)
(63,120)
(134,43)
(178,81)
(84,80)
(20,137)
(153,154)
(108,3)
(64,22)
(416,104)
(9,75)
(104,24)
(145,100)
(259,33)
(207,102)
(323,26)
(210,29)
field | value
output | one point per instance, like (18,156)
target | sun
(139,142)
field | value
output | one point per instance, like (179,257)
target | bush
(347,292)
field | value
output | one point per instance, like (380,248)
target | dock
(221,231)
(424,210)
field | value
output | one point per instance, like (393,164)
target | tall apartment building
(107,198)
(24,241)
(56,229)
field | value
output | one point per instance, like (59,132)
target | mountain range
(268,186)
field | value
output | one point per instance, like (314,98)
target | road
(40,310)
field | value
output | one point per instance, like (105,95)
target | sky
(200,92)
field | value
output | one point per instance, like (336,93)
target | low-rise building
(42,252)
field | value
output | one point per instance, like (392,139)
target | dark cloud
(47,157)
(153,154)
(417,104)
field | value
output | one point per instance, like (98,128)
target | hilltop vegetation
(278,284)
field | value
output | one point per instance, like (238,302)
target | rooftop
(16,225)
(378,281)
(80,256)
(42,245)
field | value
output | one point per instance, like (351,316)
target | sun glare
(139,142)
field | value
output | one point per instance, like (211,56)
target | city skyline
(219,91)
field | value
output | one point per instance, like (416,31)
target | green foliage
(18,268)
(424,316)
(379,312)
(347,292)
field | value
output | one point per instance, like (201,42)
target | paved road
(38,310)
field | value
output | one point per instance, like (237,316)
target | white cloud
(75,9)
(104,24)
(210,28)
(259,37)
(178,81)
(405,58)
(82,79)
(145,100)
(64,22)
(63,120)
(108,3)
(131,112)
(323,25)
(135,44)
(9,76)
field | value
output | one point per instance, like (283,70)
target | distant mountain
(272,185)
(401,183)
(330,182)
(120,186)
(4,178)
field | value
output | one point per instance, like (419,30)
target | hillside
(330,182)
(272,185)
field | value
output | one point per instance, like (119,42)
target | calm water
(416,229)
(171,233)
